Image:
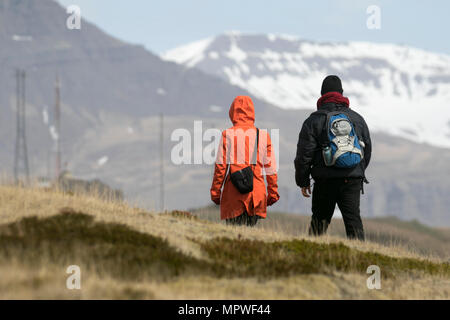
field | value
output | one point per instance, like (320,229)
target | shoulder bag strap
(255,149)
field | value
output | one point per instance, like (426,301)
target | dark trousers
(243,219)
(346,194)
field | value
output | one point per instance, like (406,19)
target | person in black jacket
(332,185)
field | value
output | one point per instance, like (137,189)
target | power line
(57,129)
(21,155)
(161,141)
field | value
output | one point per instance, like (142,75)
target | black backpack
(243,179)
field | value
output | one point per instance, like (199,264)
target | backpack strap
(329,114)
(324,136)
(255,150)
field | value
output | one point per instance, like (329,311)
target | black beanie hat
(331,84)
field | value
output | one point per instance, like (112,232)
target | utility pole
(21,155)
(57,129)
(287,200)
(161,161)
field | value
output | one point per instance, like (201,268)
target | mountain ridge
(391,85)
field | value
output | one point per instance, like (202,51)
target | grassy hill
(128,253)
(389,231)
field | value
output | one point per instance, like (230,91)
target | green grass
(411,235)
(75,238)
(416,226)
(248,258)
(121,252)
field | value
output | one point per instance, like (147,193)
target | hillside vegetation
(389,231)
(128,253)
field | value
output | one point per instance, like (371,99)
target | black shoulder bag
(243,179)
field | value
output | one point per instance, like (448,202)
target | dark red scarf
(334,97)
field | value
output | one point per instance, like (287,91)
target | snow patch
(189,54)
(213,55)
(233,33)
(161,91)
(272,37)
(214,108)
(53,133)
(235,53)
(21,38)
(45,117)
(102,161)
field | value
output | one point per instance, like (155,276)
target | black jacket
(309,160)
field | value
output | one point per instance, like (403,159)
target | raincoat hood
(242,111)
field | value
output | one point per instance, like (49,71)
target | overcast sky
(165,24)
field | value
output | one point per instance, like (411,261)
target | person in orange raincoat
(235,153)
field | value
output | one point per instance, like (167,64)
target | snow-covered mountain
(400,90)
(112,94)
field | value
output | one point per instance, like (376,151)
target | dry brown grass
(22,280)
(49,283)
(401,237)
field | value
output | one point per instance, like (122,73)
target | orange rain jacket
(232,202)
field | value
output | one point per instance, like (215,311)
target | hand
(271,201)
(306,191)
(216,200)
